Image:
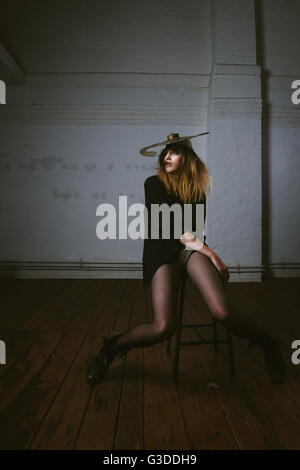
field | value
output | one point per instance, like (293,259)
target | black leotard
(157,252)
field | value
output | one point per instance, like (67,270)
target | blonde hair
(194,179)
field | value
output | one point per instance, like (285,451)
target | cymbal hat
(171,139)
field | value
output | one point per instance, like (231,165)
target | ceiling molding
(134,80)
(102,114)
(10,72)
(235,108)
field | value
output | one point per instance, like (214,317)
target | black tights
(164,288)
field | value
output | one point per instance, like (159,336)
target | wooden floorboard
(97,429)
(62,422)
(131,409)
(260,414)
(53,329)
(163,422)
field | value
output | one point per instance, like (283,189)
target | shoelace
(107,343)
(103,355)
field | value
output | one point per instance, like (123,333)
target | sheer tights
(164,288)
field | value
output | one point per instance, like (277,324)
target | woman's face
(172,161)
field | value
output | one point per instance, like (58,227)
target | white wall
(103,79)
(89,85)
(90,36)
(281,64)
(234,147)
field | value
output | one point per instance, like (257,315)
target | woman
(183,178)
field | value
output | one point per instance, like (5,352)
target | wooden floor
(53,328)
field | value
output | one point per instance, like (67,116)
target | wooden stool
(216,341)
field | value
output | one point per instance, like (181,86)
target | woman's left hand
(221,267)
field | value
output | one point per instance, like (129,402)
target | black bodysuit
(160,251)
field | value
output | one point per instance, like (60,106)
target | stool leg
(215,331)
(230,350)
(169,344)
(179,329)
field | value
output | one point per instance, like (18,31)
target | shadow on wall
(265,135)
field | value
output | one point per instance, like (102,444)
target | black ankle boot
(100,364)
(274,362)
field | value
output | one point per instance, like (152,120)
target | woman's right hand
(221,267)
(191,241)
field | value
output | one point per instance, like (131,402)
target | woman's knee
(220,312)
(164,330)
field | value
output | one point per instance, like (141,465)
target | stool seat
(216,341)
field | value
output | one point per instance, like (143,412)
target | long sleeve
(153,195)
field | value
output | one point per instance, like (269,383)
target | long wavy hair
(194,179)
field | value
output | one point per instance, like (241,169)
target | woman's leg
(208,283)
(164,288)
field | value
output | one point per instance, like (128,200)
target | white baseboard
(98,270)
